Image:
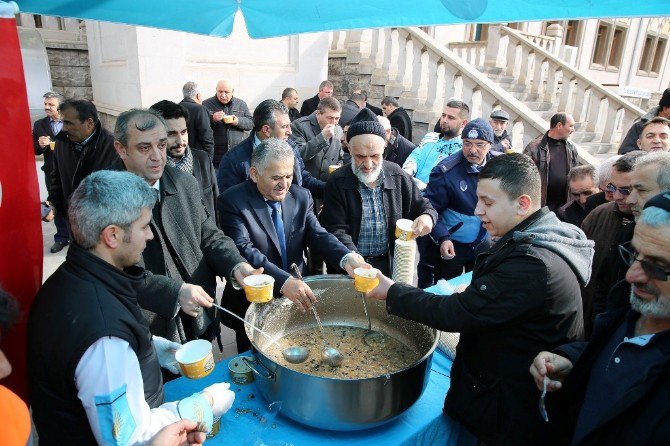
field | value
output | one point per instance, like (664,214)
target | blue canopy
(272,18)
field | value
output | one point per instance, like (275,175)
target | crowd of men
(570,263)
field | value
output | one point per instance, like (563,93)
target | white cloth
(166,350)
(106,366)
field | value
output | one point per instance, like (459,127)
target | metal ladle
(330,355)
(371,338)
(292,354)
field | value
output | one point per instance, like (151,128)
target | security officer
(452,192)
(501,141)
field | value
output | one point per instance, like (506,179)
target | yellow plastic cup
(333,167)
(365,279)
(195,359)
(52,145)
(403,229)
(228,119)
(258,288)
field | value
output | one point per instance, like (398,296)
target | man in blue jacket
(271,119)
(452,188)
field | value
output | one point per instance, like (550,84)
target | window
(609,45)
(655,46)
(478,33)
(571,31)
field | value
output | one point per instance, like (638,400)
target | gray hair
(143,119)
(390,100)
(384,121)
(655,217)
(264,113)
(190,89)
(578,172)
(627,162)
(604,172)
(325,84)
(51,94)
(107,198)
(270,149)
(662,160)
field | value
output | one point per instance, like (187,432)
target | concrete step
(599,149)
(580,137)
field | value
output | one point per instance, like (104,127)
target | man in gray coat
(188,251)
(318,137)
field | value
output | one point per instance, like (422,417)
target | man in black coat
(582,185)
(44,142)
(181,156)
(230,119)
(614,389)
(309,105)
(200,135)
(290,99)
(629,142)
(350,108)
(397,147)
(398,116)
(364,199)
(524,294)
(82,147)
(188,250)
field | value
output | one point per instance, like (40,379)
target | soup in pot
(386,355)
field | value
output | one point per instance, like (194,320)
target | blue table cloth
(251,422)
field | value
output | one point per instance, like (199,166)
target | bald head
(224,91)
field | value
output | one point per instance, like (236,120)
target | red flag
(21,249)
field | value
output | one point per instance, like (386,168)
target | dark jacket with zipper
(85,300)
(538,150)
(641,417)
(70,165)
(523,298)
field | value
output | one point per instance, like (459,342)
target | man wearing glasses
(582,184)
(604,223)
(614,389)
(650,176)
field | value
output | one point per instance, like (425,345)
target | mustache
(645,288)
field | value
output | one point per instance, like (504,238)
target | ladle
(331,355)
(292,354)
(371,338)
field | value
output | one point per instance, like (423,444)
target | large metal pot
(338,404)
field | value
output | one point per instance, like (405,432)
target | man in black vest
(94,368)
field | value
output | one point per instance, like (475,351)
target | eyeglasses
(622,190)
(479,145)
(629,256)
(586,193)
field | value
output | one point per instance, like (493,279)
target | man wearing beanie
(629,143)
(364,199)
(458,233)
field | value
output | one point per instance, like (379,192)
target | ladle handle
(249,324)
(295,269)
(367,315)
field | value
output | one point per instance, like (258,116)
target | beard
(498,133)
(659,308)
(367,178)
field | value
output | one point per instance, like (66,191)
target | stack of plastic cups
(403,261)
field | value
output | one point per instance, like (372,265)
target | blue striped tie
(279,227)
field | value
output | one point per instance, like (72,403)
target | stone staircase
(521,74)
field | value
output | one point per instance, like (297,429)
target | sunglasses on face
(622,190)
(629,256)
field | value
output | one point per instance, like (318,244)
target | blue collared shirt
(373,238)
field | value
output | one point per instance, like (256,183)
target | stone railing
(473,53)
(409,64)
(603,111)
(547,43)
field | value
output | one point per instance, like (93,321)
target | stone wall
(70,70)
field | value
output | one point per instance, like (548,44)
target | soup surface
(384,355)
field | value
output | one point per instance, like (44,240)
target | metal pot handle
(250,363)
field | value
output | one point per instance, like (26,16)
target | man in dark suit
(376,110)
(363,201)
(271,120)
(188,251)
(398,116)
(290,99)
(398,148)
(351,107)
(309,105)
(272,223)
(318,137)
(180,155)
(44,140)
(82,147)
(200,135)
